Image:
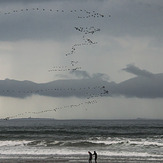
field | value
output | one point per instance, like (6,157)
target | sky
(81,59)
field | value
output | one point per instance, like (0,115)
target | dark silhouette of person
(95,154)
(90,157)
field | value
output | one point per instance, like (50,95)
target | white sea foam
(13,143)
(146,143)
(44,151)
(142,142)
(129,154)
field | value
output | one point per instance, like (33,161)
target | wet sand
(81,160)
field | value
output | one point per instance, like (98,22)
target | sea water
(35,138)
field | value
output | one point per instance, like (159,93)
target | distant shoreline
(30,118)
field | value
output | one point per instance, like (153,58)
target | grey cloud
(131,18)
(86,75)
(83,88)
(23,1)
(137,71)
(18,23)
(102,76)
(135,18)
(82,74)
(30,25)
(140,87)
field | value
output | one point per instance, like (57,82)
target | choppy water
(110,138)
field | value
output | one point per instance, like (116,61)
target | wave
(105,147)
(20,151)
(85,143)
(128,142)
(13,143)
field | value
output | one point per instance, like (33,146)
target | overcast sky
(70,59)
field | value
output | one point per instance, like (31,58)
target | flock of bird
(78,12)
(65,69)
(88,92)
(87,41)
(89,95)
(87,32)
(90,102)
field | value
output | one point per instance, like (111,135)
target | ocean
(134,140)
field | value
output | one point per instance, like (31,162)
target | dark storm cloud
(131,18)
(137,71)
(24,1)
(34,25)
(33,1)
(41,20)
(135,18)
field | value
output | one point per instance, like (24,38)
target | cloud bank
(137,71)
(145,85)
(82,88)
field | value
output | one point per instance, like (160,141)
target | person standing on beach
(95,156)
(90,157)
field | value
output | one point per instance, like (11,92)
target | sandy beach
(81,160)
